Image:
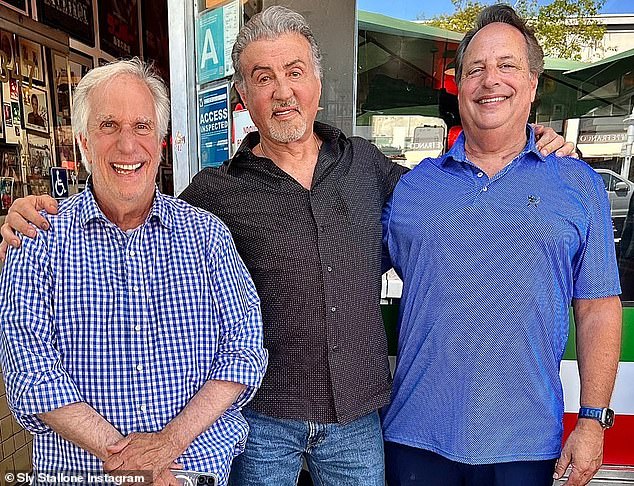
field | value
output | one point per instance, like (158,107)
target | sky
(410,9)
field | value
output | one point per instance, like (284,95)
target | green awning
(556,64)
(605,62)
(388,25)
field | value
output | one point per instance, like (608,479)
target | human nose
(283,90)
(491,77)
(127,139)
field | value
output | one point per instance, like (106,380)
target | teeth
(283,112)
(492,100)
(120,168)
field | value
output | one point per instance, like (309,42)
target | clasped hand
(144,453)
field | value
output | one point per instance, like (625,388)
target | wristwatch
(605,416)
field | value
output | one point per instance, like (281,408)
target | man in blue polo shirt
(494,242)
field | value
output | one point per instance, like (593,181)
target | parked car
(620,192)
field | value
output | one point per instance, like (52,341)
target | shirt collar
(457,152)
(90,210)
(244,154)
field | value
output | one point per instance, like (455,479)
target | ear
(534,79)
(82,141)
(242,92)
(83,145)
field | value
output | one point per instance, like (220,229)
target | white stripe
(622,398)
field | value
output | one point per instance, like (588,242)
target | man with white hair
(132,331)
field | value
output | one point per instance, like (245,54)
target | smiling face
(122,145)
(496,89)
(281,88)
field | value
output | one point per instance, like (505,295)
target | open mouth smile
(484,101)
(126,169)
(285,112)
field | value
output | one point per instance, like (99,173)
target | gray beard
(287,134)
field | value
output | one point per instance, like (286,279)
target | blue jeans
(336,455)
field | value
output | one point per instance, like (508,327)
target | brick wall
(16,448)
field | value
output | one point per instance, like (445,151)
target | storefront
(46,46)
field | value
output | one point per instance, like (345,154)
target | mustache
(290,103)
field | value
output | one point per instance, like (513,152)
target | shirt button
(485,189)
(335,347)
(137,327)
(143,408)
(135,288)
(333,309)
(480,174)
(139,367)
(132,252)
(329,268)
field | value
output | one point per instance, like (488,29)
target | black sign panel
(17,4)
(72,16)
(155,37)
(119,27)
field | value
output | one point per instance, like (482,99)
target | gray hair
(98,76)
(270,24)
(506,15)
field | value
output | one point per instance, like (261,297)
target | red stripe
(619,446)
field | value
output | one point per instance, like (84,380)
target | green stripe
(627,339)
(390,318)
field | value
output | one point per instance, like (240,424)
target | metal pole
(629,143)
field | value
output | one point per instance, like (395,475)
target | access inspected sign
(213,126)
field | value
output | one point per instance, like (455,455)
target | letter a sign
(216,31)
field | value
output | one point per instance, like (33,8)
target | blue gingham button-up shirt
(133,323)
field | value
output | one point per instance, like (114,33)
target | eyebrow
(101,117)
(260,67)
(506,57)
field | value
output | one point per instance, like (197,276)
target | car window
(608,180)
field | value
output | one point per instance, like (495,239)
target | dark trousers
(410,466)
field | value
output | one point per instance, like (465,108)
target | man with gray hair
(303,203)
(489,275)
(131,330)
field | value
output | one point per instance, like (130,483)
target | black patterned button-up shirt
(315,258)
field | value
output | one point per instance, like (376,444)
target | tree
(563,27)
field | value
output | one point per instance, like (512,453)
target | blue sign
(59,182)
(216,31)
(213,126)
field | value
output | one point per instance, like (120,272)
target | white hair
(102,74)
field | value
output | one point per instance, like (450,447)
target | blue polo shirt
(490,267)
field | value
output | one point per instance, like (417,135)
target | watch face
(608,417)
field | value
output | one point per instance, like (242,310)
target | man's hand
(144,452)
(583,451)
(166,478)
(547,141)
(22,212)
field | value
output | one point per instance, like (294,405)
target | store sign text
(603,138)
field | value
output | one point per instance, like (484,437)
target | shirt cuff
(41,398)
(247,369)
